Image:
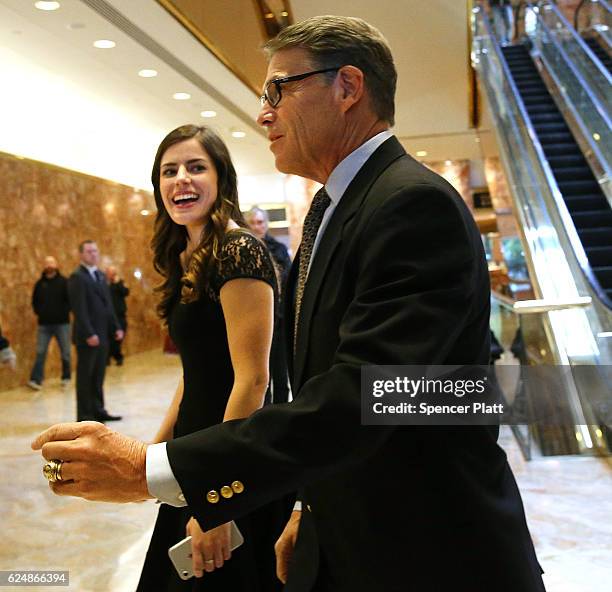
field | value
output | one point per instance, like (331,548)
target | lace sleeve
(243,256)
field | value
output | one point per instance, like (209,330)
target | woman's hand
(209,549)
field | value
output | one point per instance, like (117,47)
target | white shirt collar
(345,172)
(90,268)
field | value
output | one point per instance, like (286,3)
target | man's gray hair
(254,211)
(343,41)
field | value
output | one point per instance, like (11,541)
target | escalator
(549,103)
(600,52)
(588,207)
(593,20)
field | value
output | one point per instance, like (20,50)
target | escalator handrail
(566,219)
(539,306)
(601,110)
(579,41)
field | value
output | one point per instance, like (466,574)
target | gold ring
(53,470)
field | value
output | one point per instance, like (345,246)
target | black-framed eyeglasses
(272,92)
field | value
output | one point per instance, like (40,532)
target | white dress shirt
(161,481)
(92,270)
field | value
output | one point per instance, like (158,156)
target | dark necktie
(309,233)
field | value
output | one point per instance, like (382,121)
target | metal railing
(580,79)
(571,332)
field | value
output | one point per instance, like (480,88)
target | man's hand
(99,464)
(8,358)
(93,341)
(119,334)
(284,546)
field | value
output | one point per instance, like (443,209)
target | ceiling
(51,68)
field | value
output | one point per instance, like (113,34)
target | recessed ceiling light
(144,212)
(147,73)
(421,153)
(47,5)
(181,96)
(596,137)
(104,44)
(208,113)
(238,134)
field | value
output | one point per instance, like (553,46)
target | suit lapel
(352,199)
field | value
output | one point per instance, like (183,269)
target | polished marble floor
(568,500)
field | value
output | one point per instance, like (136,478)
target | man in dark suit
(95,324)
(278,389)
(391,271)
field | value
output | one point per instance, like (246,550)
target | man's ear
(350,86)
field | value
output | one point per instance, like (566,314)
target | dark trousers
(115,346)
(278,391)
(91,368)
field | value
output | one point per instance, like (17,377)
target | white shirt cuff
(297,507)
(161,481)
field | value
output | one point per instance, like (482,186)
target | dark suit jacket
(399,278)
(92,307)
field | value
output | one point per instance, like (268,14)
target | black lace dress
(198,330)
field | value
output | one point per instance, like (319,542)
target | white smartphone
(180,554)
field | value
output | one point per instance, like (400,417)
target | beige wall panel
(46,210)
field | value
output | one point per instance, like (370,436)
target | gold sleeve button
(237,486)
(227,491)
(212,497)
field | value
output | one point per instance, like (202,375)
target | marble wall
(47,210)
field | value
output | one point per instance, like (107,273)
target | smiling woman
(218,299)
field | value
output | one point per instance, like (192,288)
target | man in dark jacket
(7,355)
(258,221)
(119,292)
(95,325)
(52,307)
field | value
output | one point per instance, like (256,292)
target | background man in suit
(391,270)
(278,391)
(119,292)
(95,324)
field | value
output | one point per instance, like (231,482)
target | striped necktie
(312,222)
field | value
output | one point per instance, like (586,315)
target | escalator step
(525,76)
(579,188)
(604,276)
(542,107)
(536,99)
(596,237)
(532,89)
(582,173)
(564,149)
(565,159)
(599,256)
(556,138)
(547,118)
(523,68)
(585,203)
(592,219)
